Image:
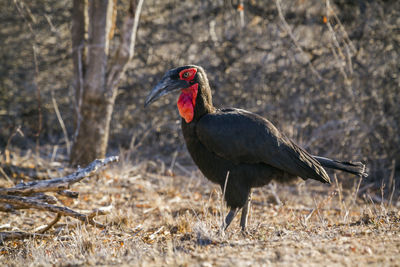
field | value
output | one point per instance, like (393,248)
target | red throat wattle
(187,101)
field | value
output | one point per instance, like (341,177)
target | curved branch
(58,184)
(25,202)
(127,44)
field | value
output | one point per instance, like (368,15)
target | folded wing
(244,137)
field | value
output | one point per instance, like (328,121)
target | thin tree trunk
(92,137)
(96,77)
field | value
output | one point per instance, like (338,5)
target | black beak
(165,86)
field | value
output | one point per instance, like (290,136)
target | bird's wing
(244,137)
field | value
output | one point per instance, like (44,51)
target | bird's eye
(187,74)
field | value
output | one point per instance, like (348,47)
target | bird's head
(185,79)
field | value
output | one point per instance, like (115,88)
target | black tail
(356,168)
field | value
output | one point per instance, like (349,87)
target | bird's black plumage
(243,144)
(257,141)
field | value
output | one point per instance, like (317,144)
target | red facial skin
(187,99)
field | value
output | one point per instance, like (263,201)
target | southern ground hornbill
(237,147)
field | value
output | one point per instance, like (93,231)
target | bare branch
(61,121)
(5,175)
(127,44)
(344,59)
(67,193)
(4,236)
(8,207)
(42,230)
(30,203)
(291,35)
(43,198)
(40,201)
(58,184)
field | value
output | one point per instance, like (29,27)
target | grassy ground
(162,218)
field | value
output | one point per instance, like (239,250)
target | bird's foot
(246,233)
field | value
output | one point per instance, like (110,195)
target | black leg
(245,213)
(232,213)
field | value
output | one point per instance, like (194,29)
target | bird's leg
(232,213)
(245,213)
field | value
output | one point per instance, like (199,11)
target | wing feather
(244,137)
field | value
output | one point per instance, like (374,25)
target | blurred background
(325,73)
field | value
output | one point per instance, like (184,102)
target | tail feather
(356,168)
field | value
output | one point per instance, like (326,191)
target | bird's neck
(195,101)
(204,103)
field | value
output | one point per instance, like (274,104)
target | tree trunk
(96,80)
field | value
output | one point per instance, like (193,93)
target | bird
(235,148)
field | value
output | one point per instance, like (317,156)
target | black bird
(237,147)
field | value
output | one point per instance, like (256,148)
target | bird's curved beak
(165,86)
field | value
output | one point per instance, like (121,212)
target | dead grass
(162,217)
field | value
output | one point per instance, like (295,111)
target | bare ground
(171,216)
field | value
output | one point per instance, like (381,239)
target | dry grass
(162,217)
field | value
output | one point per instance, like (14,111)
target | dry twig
(288,29)
(58,184)
(4,236)
(30,196)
